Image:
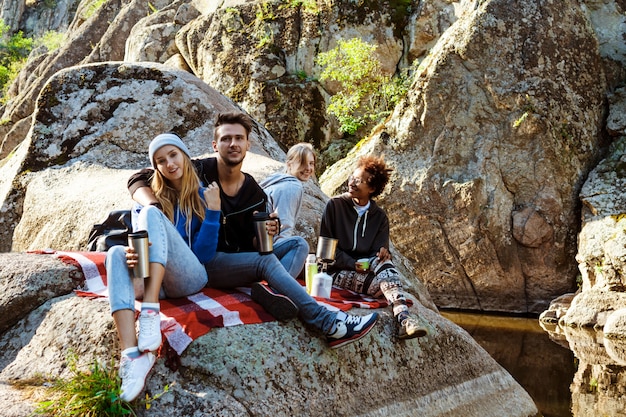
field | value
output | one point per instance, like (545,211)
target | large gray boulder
(490,149)
(91,131)
(269,369)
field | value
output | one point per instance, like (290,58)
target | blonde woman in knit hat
(183,226)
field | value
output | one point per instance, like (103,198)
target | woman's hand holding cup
(273,226)
(212,196)
(131,257)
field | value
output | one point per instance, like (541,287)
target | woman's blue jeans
(184,274)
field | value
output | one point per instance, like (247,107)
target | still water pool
(567,371)
(544,368)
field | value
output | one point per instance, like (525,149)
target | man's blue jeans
(241,269)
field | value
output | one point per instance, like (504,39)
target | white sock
(131,352)
(151,306)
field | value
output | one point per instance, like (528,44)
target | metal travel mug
(139,242)
(326,247)
(265,242)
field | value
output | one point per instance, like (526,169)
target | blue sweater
(202,236)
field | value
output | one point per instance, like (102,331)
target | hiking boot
(410,327)
(349,328)
(133,373)
(278,305)
(149,331)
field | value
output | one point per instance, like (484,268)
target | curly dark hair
(378,170)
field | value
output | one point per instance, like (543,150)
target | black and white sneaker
(348,328)
(278,305)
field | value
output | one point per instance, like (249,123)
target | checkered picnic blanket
(187,318)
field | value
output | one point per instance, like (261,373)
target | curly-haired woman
(362,229)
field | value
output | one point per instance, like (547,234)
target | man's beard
(232,163)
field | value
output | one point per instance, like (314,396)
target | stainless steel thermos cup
(265,242)
(139,242)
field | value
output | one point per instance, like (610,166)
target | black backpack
(112,231)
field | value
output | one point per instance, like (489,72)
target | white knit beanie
(162,140)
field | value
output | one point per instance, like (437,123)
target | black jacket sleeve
(139,179)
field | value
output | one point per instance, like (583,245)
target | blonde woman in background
(284,195)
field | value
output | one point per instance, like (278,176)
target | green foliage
(14,50)
(13,47)
(94,393)
(366,95)
(529,108)
(92,7)
(262,29)
(308,5)
(264,12)
(519,121)
(51,39)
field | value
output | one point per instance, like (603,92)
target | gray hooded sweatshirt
(284,195)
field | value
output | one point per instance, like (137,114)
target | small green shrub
(92,7)
(366,95)
(308,5)
(93,393)
(51,39)
(14,50)
(13,47)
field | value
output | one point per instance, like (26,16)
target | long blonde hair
(188,199)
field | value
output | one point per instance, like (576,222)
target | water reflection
(599,385)
(544,368)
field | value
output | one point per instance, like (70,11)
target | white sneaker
(410,327)
(149,331)
(133,373)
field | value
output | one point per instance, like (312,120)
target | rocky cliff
(505,119)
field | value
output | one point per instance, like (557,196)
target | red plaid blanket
(185,319)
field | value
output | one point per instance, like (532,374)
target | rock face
(490,154)
(503,121)
(263,370)
(601,247)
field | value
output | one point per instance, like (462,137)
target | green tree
(14,50)
(366,94)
